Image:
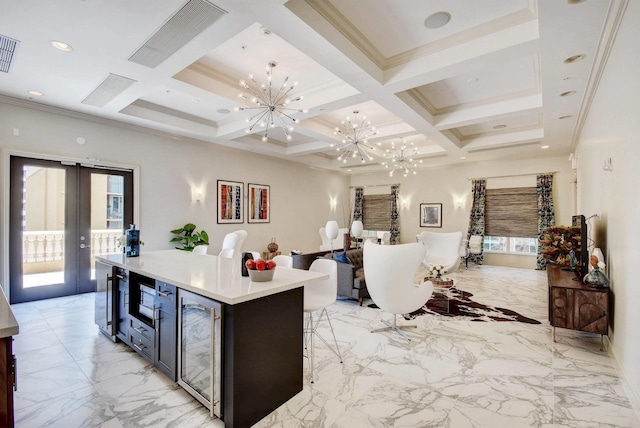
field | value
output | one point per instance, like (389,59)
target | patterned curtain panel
(546,215)
(357,208)
(476,216)
(395,219)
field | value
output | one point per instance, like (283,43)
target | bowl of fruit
(260,270)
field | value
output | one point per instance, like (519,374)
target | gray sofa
(351,281)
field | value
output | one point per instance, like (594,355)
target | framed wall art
(258,203)
(230,202)
(430,215)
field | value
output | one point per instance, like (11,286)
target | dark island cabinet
(166,329)
(122,299)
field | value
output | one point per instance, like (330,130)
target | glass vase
(596,279)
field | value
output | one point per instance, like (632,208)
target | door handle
(84,246)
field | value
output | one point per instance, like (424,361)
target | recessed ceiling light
(36,93)
(574,58)
(223,111)
(463,157)
(437,20)
(499,126)
(566,116)
(61,46)
(567,93)
(473,80)
(544,147)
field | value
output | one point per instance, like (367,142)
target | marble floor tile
(454,372)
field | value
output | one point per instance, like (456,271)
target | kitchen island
(256,332)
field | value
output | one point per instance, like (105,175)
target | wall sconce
(199,196)
(607,165)
(333,203)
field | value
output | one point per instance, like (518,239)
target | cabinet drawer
(166,294)
(142,345)
(141,329)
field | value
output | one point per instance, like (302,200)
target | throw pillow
(341,257)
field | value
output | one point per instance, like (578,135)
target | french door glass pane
(107,215)
(43,228)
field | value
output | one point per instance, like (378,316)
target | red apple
(261,264)
(271,265)
(250,264)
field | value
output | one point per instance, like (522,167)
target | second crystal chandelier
(355,135)
(271,105)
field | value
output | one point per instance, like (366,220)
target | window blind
(376,212)
(512,212)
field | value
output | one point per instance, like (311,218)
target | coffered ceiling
(486,85)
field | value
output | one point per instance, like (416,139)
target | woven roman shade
(376,212)
(512,212)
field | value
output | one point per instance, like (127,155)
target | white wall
(450,186)
(301,197)
(612,130)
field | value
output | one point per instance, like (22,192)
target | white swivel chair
(390,272)
(475,247)
(226,253)
(242,236)
(234,240)
(230,242)
(282,260)
(201,249)
(443,248)
(317,296)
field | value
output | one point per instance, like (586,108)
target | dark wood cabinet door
(7,379)
(590,311)
(167,330)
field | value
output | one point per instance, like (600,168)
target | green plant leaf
(204,237)
(189,227)
(177,231)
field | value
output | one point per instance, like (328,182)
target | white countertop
(8,324)
(210,276)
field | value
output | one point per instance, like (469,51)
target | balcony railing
(48,246)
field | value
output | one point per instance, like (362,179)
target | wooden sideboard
(575,305)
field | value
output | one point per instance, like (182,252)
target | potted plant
(189,238)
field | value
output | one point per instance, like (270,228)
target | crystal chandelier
(355,135)
(270,105)
(402,158)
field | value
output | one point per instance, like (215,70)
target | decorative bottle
(132,249)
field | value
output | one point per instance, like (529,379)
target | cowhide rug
(461,305)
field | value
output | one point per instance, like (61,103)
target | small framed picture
(230,202)
(430,215)
(258,203)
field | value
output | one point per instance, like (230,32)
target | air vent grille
(110,88)
(7,48)
(187,23)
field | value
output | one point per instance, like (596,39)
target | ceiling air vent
(110,88)
(187,23)
(7,48)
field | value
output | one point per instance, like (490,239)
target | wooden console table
(575,305)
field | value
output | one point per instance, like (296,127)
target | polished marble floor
(454,372)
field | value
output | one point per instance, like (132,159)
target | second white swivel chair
(317,296)
(390,272)
(282,260)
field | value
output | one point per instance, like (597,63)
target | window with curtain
(376,212)
(511,220)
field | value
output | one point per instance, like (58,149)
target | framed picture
(430,215)
(258,203)
(230,202)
